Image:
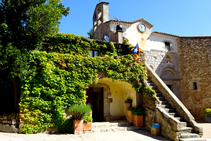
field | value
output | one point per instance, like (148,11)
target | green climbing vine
(63,72)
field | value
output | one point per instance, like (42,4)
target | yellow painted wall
(119,92)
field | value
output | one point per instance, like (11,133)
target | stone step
(179,118)
(183,124)
(169,110)
(190,135)
(161,97)
(151,84)
(164,102)
(113,129)
(149,81)
(154,87)
(122,123)
(158,94)
(165,105)
(97,125)
(193,139)
(174,114)
(156,90)
(186,130)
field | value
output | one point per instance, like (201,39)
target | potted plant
(129,114)
(128,102)
(138,116)
(206,112)
(87,123)
(78,112)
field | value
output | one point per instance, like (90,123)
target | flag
(136,52)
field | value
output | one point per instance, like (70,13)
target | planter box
(78,126)
(129,116)
(138,120)
(155,131)
(207,119)
(87,126)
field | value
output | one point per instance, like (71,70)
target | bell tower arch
(101,14)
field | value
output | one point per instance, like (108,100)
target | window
(94,53)
(195,86)
(167,45)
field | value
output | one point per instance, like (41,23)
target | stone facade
(195,73)
(171,127)
(9,123)
(183,63)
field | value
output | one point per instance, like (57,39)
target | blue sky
(178,17)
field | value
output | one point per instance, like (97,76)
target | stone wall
(170,126)
(9,123)
(104,30)
(168,71)
(195,66)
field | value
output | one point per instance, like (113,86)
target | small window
(195,86)
(167,45)
(94,53)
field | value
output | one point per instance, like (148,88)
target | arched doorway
(171,79)
(107,99)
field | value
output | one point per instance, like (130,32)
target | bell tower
(101,14)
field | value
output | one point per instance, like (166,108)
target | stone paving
(138,135)
(206,129)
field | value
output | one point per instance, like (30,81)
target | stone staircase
(112,126)
(185,133)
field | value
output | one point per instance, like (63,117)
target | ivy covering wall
(61,79)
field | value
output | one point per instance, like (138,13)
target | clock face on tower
(142,28)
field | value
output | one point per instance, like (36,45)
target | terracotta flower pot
(128,105)
(87,126)
(78,126)
(138,120)
(129,116)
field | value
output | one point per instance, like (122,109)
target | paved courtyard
(138,135)
(206,129)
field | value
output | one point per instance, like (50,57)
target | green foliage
(79,111)
(149,91)
(88,118)
(206,112)
(131,108)
(23,26)
(76,45)
(138,111)
(90,33)
(61,80)
(66,126)
(79,45)
(128,100)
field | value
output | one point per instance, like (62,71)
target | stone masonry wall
(9,123)
(104,30)
(195,66)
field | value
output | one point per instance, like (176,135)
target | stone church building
(183,63)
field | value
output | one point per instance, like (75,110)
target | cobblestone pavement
(138,135)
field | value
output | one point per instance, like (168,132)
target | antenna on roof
(119,26)
(116,18)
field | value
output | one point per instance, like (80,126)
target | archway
(171,79)
(114,93)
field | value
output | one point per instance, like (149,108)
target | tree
(90,33)
(23,26)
